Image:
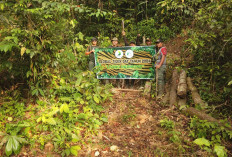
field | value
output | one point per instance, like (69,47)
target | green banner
(125,62)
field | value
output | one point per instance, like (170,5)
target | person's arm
(161,62)
(88,52)
(138,40)
(164,53)
(124,38)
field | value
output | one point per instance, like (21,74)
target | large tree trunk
(203,116)
(182,86)
(173,95)
(195,96)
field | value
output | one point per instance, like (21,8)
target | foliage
(173,134)
(13,143)
(42,48)
(168,124)
(210,136)
(210,43)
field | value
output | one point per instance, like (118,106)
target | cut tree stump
(182,85)
(147,89)
(195,96)
(173,95)
(203,116)
(166,97)
(182,103)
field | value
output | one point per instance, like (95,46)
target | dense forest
(50,98)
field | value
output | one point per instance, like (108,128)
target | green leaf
(81,36)
(9,147)
(64,108)
(230,83)
(39,119)
(74,150)
(20,139)
(6,47)
(104,119)
(202,141)
(96,98)
(67,152)
(75,138)
(34,92)
(220,151)
(15,145)
(51,121)
(41,92)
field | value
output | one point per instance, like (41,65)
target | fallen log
(182,85)
(173,95)
(203,116)
(195,96)
(116,90)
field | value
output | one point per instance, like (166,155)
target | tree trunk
(203,116)
(173,95)
(182,86)
(195,96)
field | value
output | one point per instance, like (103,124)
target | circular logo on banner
(129,53)
(119,54)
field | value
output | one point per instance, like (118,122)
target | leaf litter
(133,129)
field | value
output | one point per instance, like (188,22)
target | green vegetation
(209,136)
(49,96)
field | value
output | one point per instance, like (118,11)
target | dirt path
(134,129)
(134,124)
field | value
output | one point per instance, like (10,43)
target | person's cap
(159,41)
(94,39)
(114,39)
(148,39)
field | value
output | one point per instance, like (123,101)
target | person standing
(148,41)
(90,51)
(114,42)
(161,66)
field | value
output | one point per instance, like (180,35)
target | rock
(114,148)
(96,153)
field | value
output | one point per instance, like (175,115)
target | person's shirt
(162,51)
(91,55)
